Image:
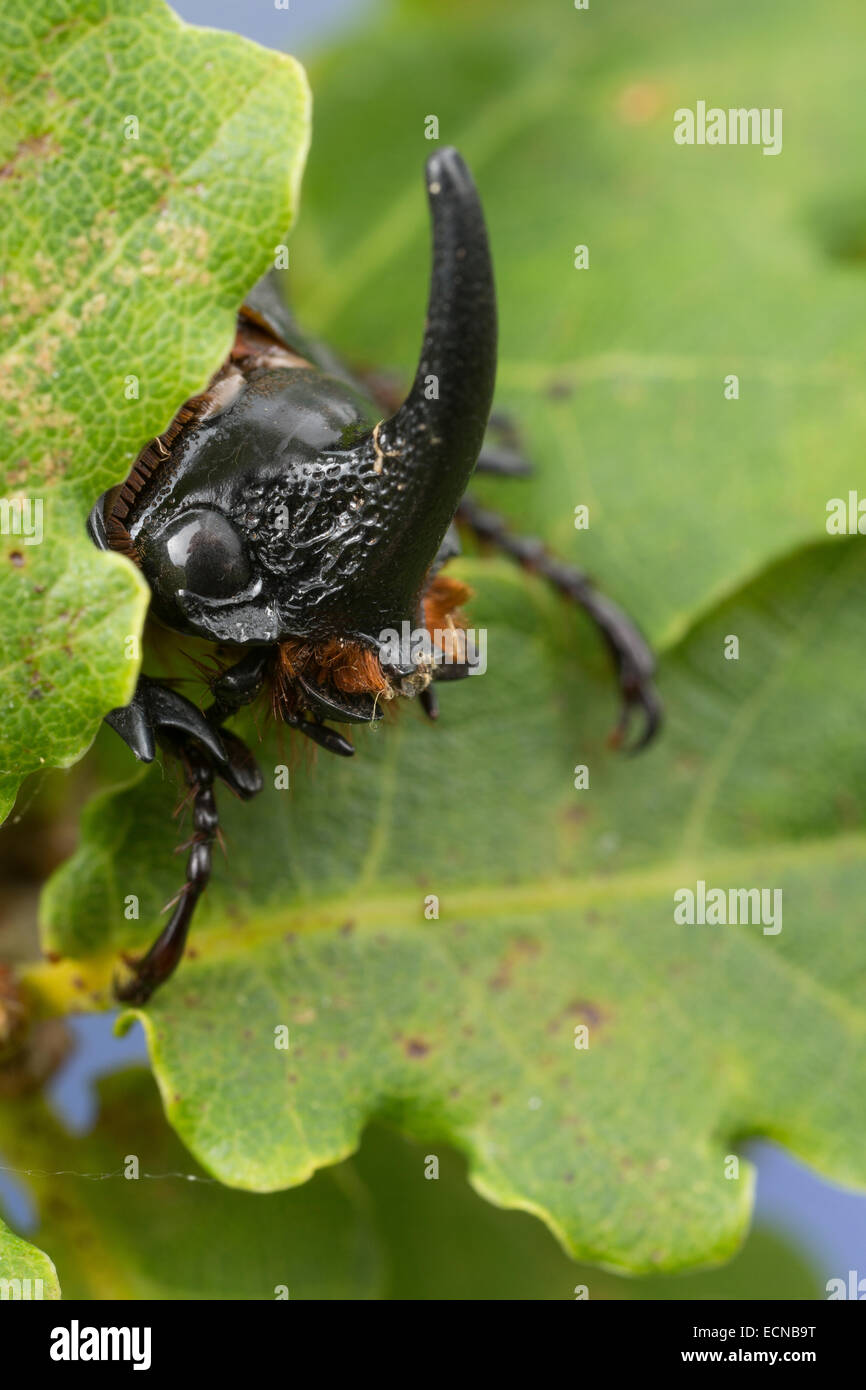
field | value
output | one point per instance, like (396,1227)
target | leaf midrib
(53,983)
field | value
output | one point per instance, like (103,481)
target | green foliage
(22,1262)
(384,1224)
(124,258)
(703,262)
(555,910)
(159,1234)
(555,905)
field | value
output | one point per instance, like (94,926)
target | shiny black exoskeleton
(280,517)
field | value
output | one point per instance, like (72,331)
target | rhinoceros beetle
(280,517)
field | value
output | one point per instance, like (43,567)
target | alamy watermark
(419,646)
(736,125)
(853,1287)
(28,1289)
(22,516)
(77,1343)
(720,907)
(846,516)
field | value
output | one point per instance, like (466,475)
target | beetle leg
(239,685)
(506,463)
(165,953)
(243,776)
(633,661)
(429,702)
(321,734)
(502,452)
(156,709)
(158,714)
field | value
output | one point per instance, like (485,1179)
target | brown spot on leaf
(588,1012)
(35,147)
(416,1047)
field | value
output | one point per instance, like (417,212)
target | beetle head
(284,512)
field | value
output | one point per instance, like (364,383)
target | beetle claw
(140,985)
(639,695)
(136,990)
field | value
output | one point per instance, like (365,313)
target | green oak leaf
(384,1224)
(147,171)
(177,1234)
(555,913)
(555,905)
(442,1242)
(703,262)
(25,1272)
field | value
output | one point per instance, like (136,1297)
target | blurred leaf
(443,1243)
(376,1226)
(20,1261)
(556,910)
(123,258)
(166,1237)
(704,262)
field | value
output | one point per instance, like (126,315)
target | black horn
(424,455)
(441,424)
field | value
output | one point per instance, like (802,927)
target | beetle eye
(201,552)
